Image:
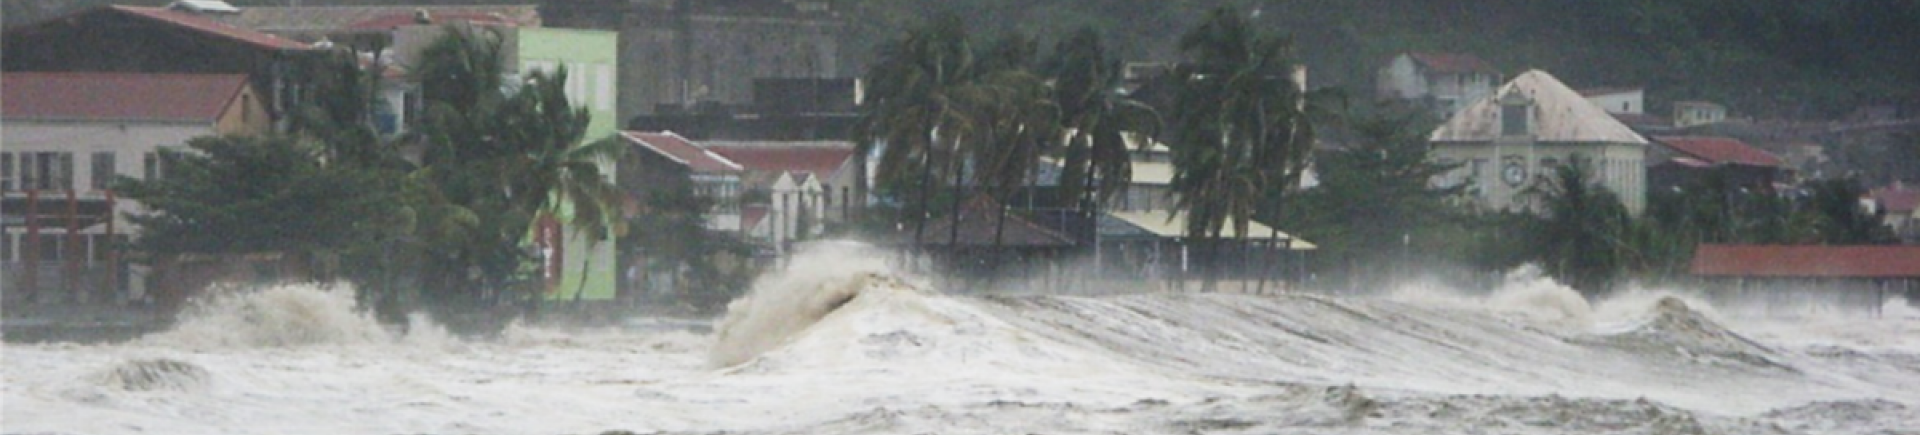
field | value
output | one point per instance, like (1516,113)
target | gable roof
(118,96)
(1453,63)
(1721,150)
(682,151)
(820,159)
(979,223)
(1807,261)
(210,27)
(1897,199)
(324,19)
(1558,114)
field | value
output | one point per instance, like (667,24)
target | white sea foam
(839,343)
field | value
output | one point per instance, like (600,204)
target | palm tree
(1239,128)
(912,116)
(1582,233)
(498,158)
(1099,120)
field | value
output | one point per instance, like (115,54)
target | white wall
(1620,167)
(1619,103)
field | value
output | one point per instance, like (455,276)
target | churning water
(839,343)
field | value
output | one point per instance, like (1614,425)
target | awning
(1159,224)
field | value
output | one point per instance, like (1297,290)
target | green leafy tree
(1376,198)
(246,194)
(1840,218)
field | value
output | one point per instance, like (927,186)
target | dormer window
(1514,116)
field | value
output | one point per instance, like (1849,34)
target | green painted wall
(590,57)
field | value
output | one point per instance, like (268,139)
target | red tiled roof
(1808,261)
(215,28)
(393,20)
(1453,63)
(1721,150)
(819,159)
(1897,200)
(117,96)
(679,149)
(751,215)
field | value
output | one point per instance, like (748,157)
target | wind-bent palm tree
(912,116)
(497,158)
(1583,228)
(1099,120)
(1239,127)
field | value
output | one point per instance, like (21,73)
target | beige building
(1532,124)
(68,135)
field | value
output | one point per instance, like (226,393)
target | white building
(1692,113)
(1447,82)
(1618,101)
(1532,124)
(68,135)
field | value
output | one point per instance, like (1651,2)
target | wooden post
(30,277)
(71,265)
(113,252)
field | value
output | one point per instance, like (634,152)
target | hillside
(1810,59)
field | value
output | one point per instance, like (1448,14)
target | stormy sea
(838,342)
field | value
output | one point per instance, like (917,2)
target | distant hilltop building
(1446,82)
(1514,138)
(1692,113)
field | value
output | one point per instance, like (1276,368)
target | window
(150,166)
(103,170)
(50,247)
(6,171)
(46,171)
(1513,120)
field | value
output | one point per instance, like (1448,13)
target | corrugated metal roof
(1721,150)
(979,224)
(1172,225)
(209,26)
(117,96)
(1558,114)
(817,158)
(1897,199)
(1807,261)
(680,150)
(322,19)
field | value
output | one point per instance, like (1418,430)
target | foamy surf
(838,342)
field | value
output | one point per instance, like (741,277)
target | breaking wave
(816,282)
(839,341)
(276,316)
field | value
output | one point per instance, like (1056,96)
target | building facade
(68,136)
(1510,141)
(684,53)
